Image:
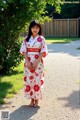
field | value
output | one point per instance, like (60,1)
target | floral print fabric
(34,79)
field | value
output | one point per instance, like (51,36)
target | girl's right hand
(29,66)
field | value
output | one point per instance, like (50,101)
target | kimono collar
(35,37)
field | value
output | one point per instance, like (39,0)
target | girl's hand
(30,67)
(35,64)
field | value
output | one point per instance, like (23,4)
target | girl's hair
(32,24)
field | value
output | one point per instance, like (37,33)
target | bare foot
(32,103)
(36,103)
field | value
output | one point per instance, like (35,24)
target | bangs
(34,23)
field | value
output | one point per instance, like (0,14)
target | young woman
(34,48)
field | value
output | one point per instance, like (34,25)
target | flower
(44,54)
(42,82)
(25,78)
(36,56)
(29,58)
(36,87)
(31,93)
(32,71)
(31,77)
(39,39)
(27,88)
(36,74)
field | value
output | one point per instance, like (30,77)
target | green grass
(60,40)
(11,84)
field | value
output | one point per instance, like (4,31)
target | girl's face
(35,30)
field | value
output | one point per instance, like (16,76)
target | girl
(34,48)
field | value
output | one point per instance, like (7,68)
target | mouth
(35,31)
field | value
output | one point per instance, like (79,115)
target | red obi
(33,49)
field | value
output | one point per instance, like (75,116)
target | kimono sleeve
(44,49)
(23,48)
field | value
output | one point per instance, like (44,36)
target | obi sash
(33,50)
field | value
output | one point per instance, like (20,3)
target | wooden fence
(62,28)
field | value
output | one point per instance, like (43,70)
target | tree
(14,16)
(70,9)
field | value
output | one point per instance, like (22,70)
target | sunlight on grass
(10,85)
(60,40)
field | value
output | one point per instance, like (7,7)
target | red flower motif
(39,39)
(31,77)
(24,78)
(36,56)
(31,93)
(36,87)
(27,88)
(37,74)
(32,71)
(44,54)
(42,82)
(29,58)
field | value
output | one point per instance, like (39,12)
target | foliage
(15,15)
(69,9)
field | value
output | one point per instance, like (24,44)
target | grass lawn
(11,84)
(60,40)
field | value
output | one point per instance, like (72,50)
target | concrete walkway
(61,94)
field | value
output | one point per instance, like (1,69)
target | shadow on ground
(68,48)
(73,100)
(23,113)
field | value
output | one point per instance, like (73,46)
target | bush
(14,16)
(10,56)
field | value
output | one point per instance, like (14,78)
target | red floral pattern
(42,82)
(32,71)
(27,88)
(36,87)
(29,58)
(24,78)
(39,39)
(36,56)
(36,74)
(31,77)
(34,78)
(31,93)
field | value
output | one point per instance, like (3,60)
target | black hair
(32,24)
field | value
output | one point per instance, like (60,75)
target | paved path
(61,94)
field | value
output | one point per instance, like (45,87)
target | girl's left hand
(35,64)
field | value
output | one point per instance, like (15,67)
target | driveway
(61,94)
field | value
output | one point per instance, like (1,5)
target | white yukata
(34,79)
